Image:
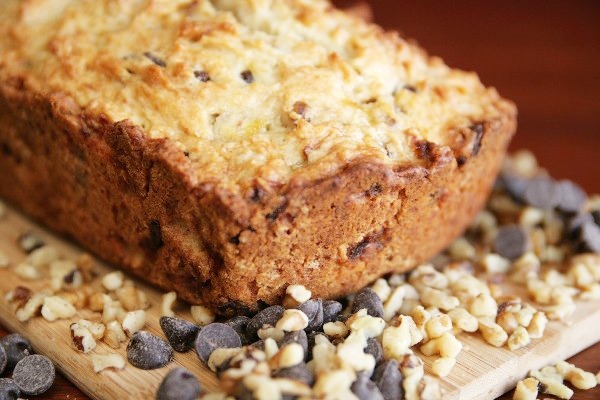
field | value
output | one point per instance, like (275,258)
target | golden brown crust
(138,202)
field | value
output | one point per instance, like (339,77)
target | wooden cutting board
(482,372)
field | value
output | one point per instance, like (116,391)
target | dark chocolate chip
(479,130)
(515,185)
(574,224)
(572,197)
(3,360)
(295,337)
(298,372)
(156,240)
(369,241)
(148,351)
(272,216)
(257,194)
(9,389)
(34,374)
(30,241)
(596,216)
(590,237)
(268,316)
(232,308)
(313,309)
(365,389)
(235,239)
(202,76)
(156,60)
(215,336)
(247,76)
(542,192)
(374,191)
(368,299)
(179,384)
(331,310)
(180,333)
(461,160)
(374,348)
(239,324)
(512,241)
(16,348)
(388,378)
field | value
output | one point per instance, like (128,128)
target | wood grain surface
(543,54)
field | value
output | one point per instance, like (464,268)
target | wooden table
(543,54)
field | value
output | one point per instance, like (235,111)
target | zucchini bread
(225,149)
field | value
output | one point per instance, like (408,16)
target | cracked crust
(138,203)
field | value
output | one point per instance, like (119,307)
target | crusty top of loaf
(247,88)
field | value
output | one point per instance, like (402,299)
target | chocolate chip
(590,237)
(148,351)
(410,88)
(235,239)
(156,240)
(215,336)
(515,185)
(272,216)
(9,389)
(542,192)
(298,372)
(3,360)
(368,299)
(331,309)
(511,242)
(247,76)
(596,216)
(34,374)
(365,389)
(574,224)
(156,60)
(179,384)
(479,130)
(30,241)
(313,309)
(388,378)
(180,333)
(239,324)
(572,197)
(374,348)
(257,194)
(16,348)
(268,316)
(295,337)
(202,76)
(371,241)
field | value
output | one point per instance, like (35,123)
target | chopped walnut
(106,361)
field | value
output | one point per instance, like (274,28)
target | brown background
(543,54)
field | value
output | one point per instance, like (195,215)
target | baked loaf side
(226,149)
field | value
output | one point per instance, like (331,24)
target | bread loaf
(228,148)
